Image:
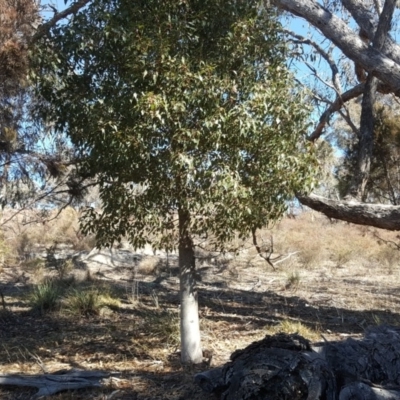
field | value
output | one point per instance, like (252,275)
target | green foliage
(83,302)
(178,105)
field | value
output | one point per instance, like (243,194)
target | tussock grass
(293,280)
(164,325)
(83,302)
(88,301)
(46,297)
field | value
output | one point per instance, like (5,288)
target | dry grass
(341,279)
(289,326)
(31,231)
(149,265)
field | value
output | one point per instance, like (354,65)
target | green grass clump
(88,301)
(164,325)
(83,302)
(45,297)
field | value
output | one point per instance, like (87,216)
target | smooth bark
(378,63)
(50,384)
(377,215)
(365,18)
(191,352)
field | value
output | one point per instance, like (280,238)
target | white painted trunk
(191,352)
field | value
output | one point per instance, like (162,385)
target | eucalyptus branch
(334,107)
(347,118)
(41,197)
(315,73)
(53,192)
(364,17)
(43,29)
(384,24)
(324,54)
(378,6)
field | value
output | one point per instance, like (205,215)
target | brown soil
(241,300)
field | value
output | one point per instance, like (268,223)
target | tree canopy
(186,115)
(178,104)
(349,40)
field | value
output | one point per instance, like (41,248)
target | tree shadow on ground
(124,335)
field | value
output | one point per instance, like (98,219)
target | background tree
(383,184)
(186,115)
(354,40)
(36,163)
(16,27)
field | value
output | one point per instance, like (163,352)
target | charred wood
(288,367)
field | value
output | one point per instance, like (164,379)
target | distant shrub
(62,266)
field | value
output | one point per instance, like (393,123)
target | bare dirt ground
(241,300)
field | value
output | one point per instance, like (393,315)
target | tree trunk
(361,174)
(191,352)
(366,144)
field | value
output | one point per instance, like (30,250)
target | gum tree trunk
(191,352)
(366,145)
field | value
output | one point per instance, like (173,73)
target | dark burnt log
(362,391)
(374,359)
(277,367)
(288,367)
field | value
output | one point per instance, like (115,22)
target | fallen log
(49,384)
(288,367)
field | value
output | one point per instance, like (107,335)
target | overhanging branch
(378,215)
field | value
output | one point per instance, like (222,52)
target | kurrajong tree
(186,115)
